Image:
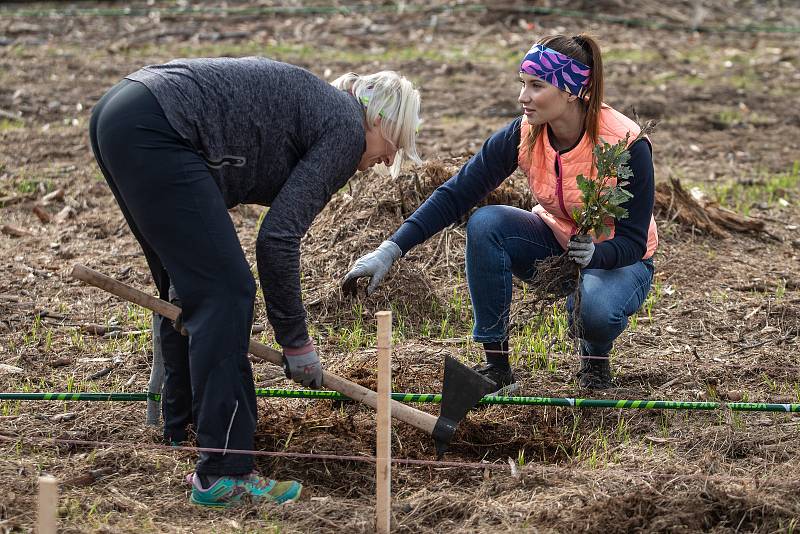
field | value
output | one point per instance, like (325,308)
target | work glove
(302,365)
(375,265)
(580,249)
(177,324)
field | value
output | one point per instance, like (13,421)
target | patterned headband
(566,73)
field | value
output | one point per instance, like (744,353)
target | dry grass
(721,322)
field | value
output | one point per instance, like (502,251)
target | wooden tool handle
(416,418)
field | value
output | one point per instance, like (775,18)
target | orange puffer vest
(557,191)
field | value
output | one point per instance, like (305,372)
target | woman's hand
(302,365)
(580,249)
(374,265)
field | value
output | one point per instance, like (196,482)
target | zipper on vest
(560,187)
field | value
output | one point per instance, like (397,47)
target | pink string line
(581,357)
(300,455)
(528,353)
(539,470)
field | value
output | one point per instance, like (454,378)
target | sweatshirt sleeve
(483,173)
(323,170)
(629,243)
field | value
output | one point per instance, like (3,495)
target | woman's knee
(484,224)
(598,320)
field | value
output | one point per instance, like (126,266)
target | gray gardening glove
(177,324)
(302,365)
(580,249)
(375,265)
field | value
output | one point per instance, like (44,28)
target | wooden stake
(48,505)
(383,453)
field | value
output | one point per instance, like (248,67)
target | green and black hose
(432,398)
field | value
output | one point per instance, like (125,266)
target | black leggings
(177,213)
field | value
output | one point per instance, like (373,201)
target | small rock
(60,362)
(66,416)
(733,396)
(98,189)
(42,214)
(445,69)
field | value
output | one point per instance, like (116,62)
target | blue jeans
(503,241)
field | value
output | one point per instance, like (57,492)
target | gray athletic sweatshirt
(271,134)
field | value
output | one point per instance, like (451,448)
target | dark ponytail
(595,88)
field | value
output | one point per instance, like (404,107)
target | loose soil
(722,323)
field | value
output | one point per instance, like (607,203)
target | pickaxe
(462,388)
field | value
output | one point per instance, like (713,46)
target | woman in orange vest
(564,117)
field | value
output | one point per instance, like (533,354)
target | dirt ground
(721,322)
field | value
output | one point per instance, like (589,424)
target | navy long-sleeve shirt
(495,162)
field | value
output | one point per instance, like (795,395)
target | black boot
(497,368)
(503,377)
(595,372)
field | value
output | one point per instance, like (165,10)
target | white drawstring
(228,433)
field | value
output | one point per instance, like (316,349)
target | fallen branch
(88,478)
(10,200)
(13,231)
(674,203)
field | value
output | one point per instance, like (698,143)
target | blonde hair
(394,99)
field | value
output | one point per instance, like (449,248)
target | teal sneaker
(230,491)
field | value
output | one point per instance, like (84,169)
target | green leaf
(602,230)
(586,186)
(601,199)
(618,212)
(576,215)
(619,196)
